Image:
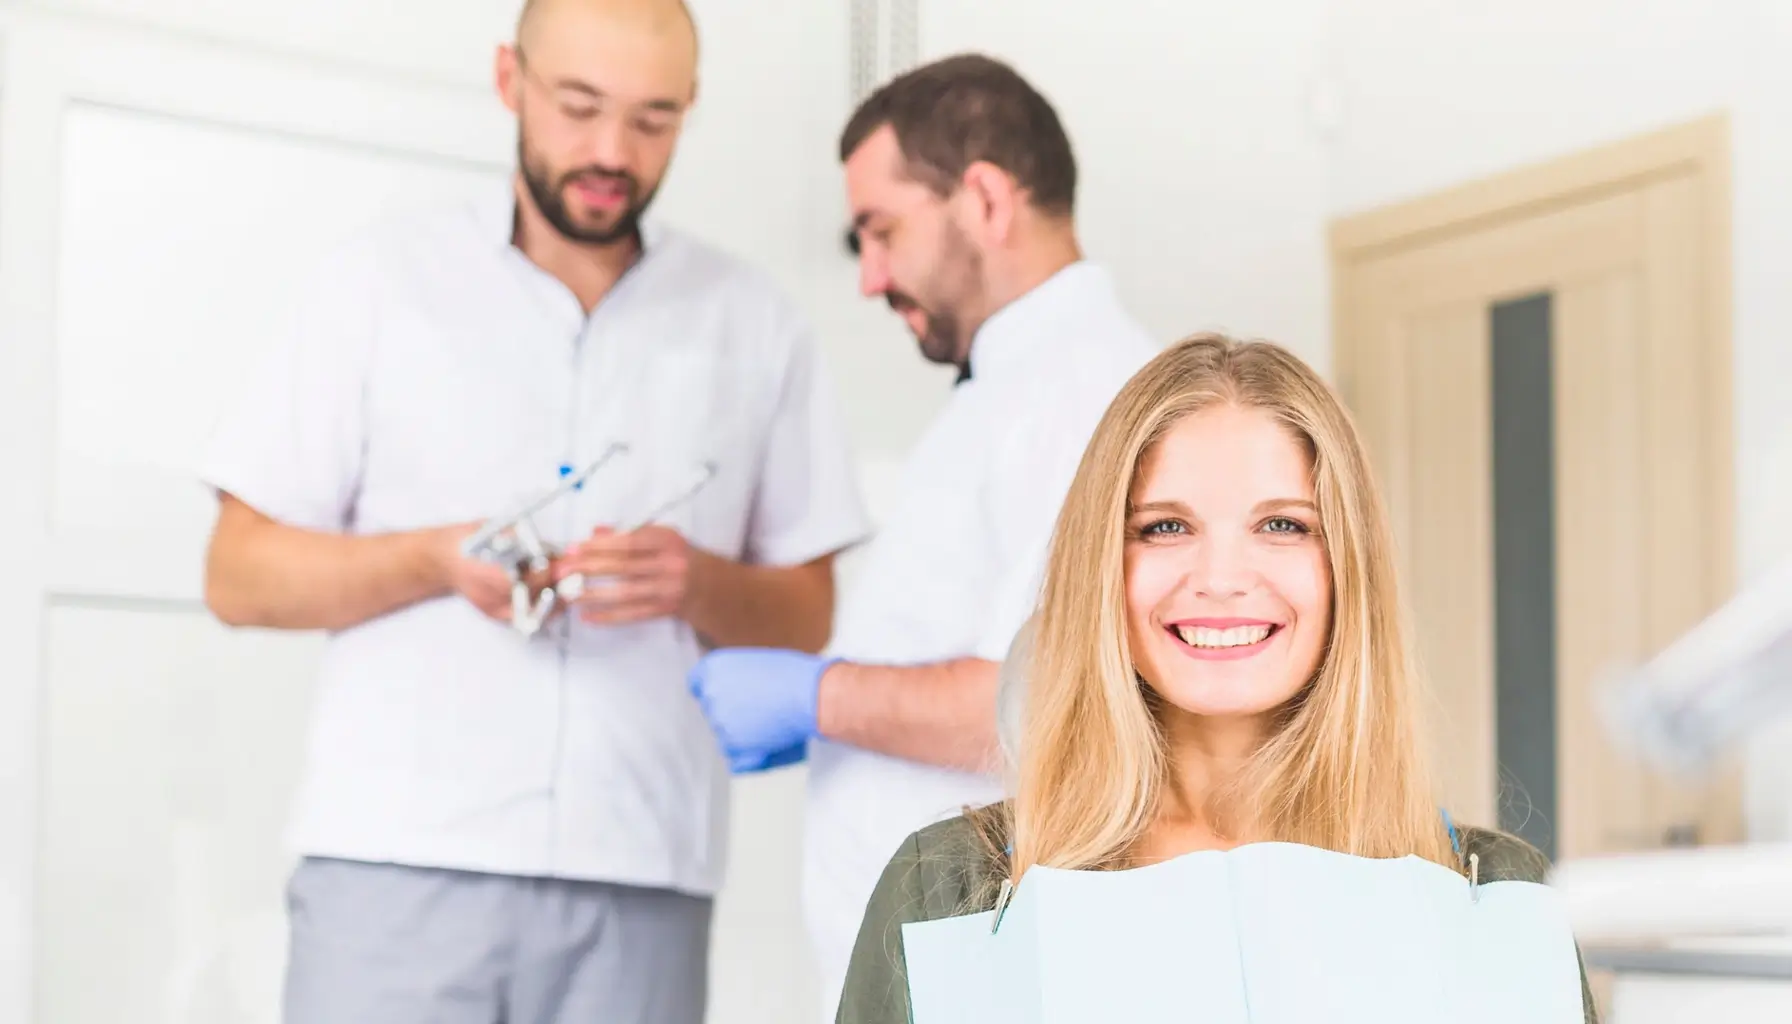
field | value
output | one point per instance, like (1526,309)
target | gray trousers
(386,944)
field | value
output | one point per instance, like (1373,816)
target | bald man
(497,824)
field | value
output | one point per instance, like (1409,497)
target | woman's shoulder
(959,859)
(948,868)
(1502,857)
(944,870)
(966,837)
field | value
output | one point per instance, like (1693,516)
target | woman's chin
(1242,698)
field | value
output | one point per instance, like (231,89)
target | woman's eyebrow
(1284,504)
(1154,507)
(1269,505)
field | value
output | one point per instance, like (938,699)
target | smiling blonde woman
(1220,657)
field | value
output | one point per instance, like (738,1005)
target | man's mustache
(599,174)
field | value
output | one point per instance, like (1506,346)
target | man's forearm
(943,714)
(263,573)
(734,605)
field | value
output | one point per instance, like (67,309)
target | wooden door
(1540,365)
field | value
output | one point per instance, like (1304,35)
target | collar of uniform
(1006,336)
(499,215)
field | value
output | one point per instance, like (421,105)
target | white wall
(415,39)
(1433,94)
(1203,180)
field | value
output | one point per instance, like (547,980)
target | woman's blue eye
(1282,524)
(1161,527)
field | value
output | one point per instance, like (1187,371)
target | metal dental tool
(513,543)
(696,480)
(571,587)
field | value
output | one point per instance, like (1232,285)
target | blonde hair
(1342,770)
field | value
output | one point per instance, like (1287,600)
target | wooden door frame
(1701,146)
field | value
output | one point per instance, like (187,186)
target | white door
(156,201)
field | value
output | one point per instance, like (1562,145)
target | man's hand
(629,577)
(483,584)
(760,703)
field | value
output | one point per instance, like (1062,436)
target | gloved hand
(761,703)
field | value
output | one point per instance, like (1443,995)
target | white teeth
(1237,636)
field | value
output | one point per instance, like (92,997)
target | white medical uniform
(437,376)
(956,570)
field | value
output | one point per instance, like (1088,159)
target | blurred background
(1544,246)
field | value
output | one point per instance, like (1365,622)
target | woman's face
(1228,590)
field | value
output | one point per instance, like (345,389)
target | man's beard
(549,195)
(940,339)
(958,270)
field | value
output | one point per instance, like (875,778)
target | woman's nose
(1220,568)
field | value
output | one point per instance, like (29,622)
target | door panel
(1599,528)
(1447,522)
(167,291)
(1687,467)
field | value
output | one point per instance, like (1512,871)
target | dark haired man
(962,186)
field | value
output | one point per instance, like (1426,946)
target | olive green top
(946,870)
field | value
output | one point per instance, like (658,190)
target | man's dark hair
(957,111)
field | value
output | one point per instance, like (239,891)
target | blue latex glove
(761,704)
